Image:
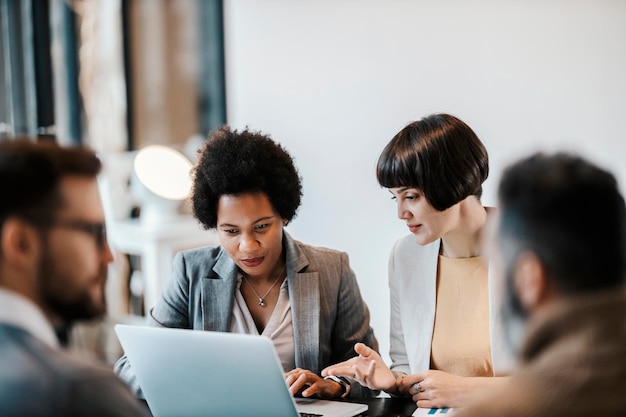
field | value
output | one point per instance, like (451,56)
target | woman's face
(424,221)
(251,232)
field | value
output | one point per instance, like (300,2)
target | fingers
(296,371)
(365,375)
(303,382)
(291,383)
(297,380)
(343,368)
(346,368)
(354,369)
(413,378)
(426,403)
(417,389)
(366,352)
(369,376)
(292,376)
(411,384)
(419,395)
(307,384)
(311,388)
(363,350)
(360,374)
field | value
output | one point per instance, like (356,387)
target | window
(53,81)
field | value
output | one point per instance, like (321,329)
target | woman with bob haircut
(260,280)
(446,339)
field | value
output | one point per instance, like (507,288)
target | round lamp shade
(164,171)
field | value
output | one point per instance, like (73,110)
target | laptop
(202,373)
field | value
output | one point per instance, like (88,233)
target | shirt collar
(21,312)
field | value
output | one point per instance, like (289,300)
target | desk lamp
(164,181)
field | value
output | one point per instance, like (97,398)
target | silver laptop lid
(200,373)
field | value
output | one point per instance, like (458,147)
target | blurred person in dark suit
(560,246)
(53,269)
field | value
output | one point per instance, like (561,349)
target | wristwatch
(343,381)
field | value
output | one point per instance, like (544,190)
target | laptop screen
(202,373)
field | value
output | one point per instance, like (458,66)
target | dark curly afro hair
(234,162)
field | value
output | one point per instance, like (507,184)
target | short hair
(30,176)
(571,214)
(233,162)
(439,155)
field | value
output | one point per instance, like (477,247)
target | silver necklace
(261,302)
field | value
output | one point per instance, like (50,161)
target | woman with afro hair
(259,280)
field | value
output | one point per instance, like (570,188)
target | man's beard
(69,310)
(514,316)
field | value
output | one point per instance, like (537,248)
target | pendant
(261,302)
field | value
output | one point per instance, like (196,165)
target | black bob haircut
(439,155)
(233,162)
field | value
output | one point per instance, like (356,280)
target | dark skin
(251,231)
(307,384)
(261,314)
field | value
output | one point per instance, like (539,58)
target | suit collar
(22,312)
(296,259)
(224,267)
(304,297)
(218,293)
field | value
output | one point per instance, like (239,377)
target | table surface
(382,407)
(388,407)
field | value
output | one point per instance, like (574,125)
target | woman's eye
(262,226)
(231,231)
(413,196)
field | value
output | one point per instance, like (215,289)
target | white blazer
(413,293)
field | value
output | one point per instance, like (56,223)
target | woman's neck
(279,270)
(466,241)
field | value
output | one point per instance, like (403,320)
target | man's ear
(531,281)
(19,241)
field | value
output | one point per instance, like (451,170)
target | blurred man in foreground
(53,268)
(560,243)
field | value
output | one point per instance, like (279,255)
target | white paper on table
(439,412)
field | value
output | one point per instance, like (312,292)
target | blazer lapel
(421,266)
(304,287)
(218,294)
(304,296)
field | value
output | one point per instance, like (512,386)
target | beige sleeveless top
(461,342)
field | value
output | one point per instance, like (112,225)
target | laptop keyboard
(311,415)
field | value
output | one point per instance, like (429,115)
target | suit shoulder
(201,252)
(46,362)
(62,382)
(408,245)
(203,257)
(319,251)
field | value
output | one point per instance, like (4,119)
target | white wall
(333,81)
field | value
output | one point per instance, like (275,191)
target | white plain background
(333,81)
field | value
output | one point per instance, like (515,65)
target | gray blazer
(329,315)
(39,381)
